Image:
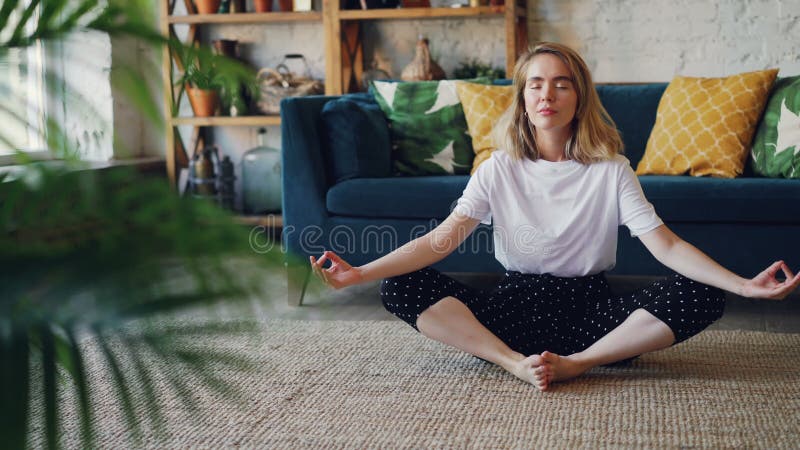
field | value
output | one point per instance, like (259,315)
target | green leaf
(81,386)
(17,36)
(15,379)
(95,249)
(145,383)
(50,386)
(121,386)
(5,13)
(420,135)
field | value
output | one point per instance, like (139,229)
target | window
(22,110)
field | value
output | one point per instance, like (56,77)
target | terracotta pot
(263,5)
(207,6)
(204,102)
(286,5)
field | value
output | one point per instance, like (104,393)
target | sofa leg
(297,279)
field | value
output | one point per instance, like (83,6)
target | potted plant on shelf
(472,68)
(208,76)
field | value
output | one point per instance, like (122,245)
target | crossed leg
(686,308)
(450,321)
(640,333)
(443,317)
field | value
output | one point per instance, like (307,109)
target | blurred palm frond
(95,262)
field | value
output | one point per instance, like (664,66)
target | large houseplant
(84,254)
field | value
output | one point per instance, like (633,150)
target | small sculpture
(422,68)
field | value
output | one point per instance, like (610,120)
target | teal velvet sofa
(744,223)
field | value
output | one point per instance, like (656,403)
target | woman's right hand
(340,274)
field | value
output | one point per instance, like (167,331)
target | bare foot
(534,370)
(563,367)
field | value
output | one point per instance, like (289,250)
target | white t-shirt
(559,218)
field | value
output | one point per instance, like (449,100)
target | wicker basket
(279,83)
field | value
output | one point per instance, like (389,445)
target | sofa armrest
(304,178)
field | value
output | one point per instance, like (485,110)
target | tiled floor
(363,303)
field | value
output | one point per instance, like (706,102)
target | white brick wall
(86,109)
(647,40)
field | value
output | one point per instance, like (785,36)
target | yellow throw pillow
(483,105)
(705,125)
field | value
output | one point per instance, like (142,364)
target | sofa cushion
(483,107)
(633,109)
(695,199)
(428,128)
(399,197)
(704,126)
(357,138)
(776,147)
(676,198)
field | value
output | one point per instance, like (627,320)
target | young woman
(562,180)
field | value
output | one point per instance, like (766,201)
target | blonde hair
(594,135)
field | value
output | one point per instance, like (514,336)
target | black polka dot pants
(532,313)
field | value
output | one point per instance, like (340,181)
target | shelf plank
(268,17)
(419,13)
(243,121)
(268,220)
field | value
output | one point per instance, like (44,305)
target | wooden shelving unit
(269,17)
(223,121)
(178,155)
(344,61)
(342,31)
(419,13)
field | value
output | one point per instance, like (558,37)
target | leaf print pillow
(427,126)
(776,148)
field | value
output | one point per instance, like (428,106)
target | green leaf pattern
(780,127)
(428,127)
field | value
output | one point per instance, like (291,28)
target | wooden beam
(181,156)
(269,17)
(420,13)
(221,121)
(198,141)
(352,57)
(333,47)
(511,38)
(166,74)
(189,7)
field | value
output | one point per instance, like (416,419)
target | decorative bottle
(261,177)
(225,187)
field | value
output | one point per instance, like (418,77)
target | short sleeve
(635,212)
(474,201)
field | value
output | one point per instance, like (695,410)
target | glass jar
(261,178)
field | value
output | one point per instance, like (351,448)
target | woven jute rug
(379,384)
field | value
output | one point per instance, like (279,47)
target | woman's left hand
(765,285)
